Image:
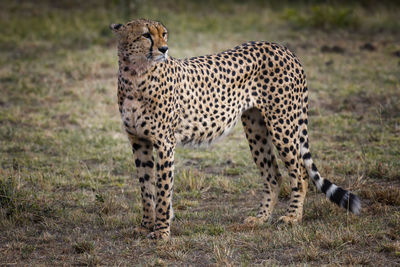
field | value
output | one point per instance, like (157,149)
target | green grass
(68,191)
(322,17)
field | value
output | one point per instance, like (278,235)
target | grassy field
(68,191)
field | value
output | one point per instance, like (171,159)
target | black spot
(136,146)
(337,196)
(264,141)
(314,168)
(307,155)
(150,164)
(137,163)
(326,185)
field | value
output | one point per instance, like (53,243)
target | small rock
(337,49)
(368,47)
(329,62)
(325,49)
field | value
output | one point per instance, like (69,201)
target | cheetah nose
(163,49)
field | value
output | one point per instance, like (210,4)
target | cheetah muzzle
(165,101)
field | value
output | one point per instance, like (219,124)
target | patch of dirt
(332,49)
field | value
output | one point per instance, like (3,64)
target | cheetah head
(141,43)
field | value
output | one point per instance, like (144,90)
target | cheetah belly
(207,127)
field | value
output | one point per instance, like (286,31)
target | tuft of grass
(392,248)
(222,255)
(385,171)
(27,250)
(110,204)
(215,230)
(233,171)
(191,181)
(84,247)
(19,205)
(10,195)
(388,195)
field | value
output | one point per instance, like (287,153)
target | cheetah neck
(134,80)
(136,67)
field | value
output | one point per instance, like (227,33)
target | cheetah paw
(254,220)
(159,235)
(141,231)
(289,220)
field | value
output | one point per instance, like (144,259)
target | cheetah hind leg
(297,175)
(294,213)
(261,147)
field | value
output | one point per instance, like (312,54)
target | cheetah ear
(116,27)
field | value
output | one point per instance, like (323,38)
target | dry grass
(388,195)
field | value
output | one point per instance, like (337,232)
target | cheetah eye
(164,34)
(146,35)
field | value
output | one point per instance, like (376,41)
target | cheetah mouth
(157,57)
(160,58)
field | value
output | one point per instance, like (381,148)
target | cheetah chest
(133,114)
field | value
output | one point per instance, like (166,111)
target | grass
(322,16)
(68,191)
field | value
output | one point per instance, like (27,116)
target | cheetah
(165,102)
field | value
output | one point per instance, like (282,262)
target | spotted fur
(165,101)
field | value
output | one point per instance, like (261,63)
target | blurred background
(81,24)
(68,191)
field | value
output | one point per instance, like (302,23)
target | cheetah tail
(334,193)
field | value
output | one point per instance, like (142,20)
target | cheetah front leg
(164,184)
(144,161)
